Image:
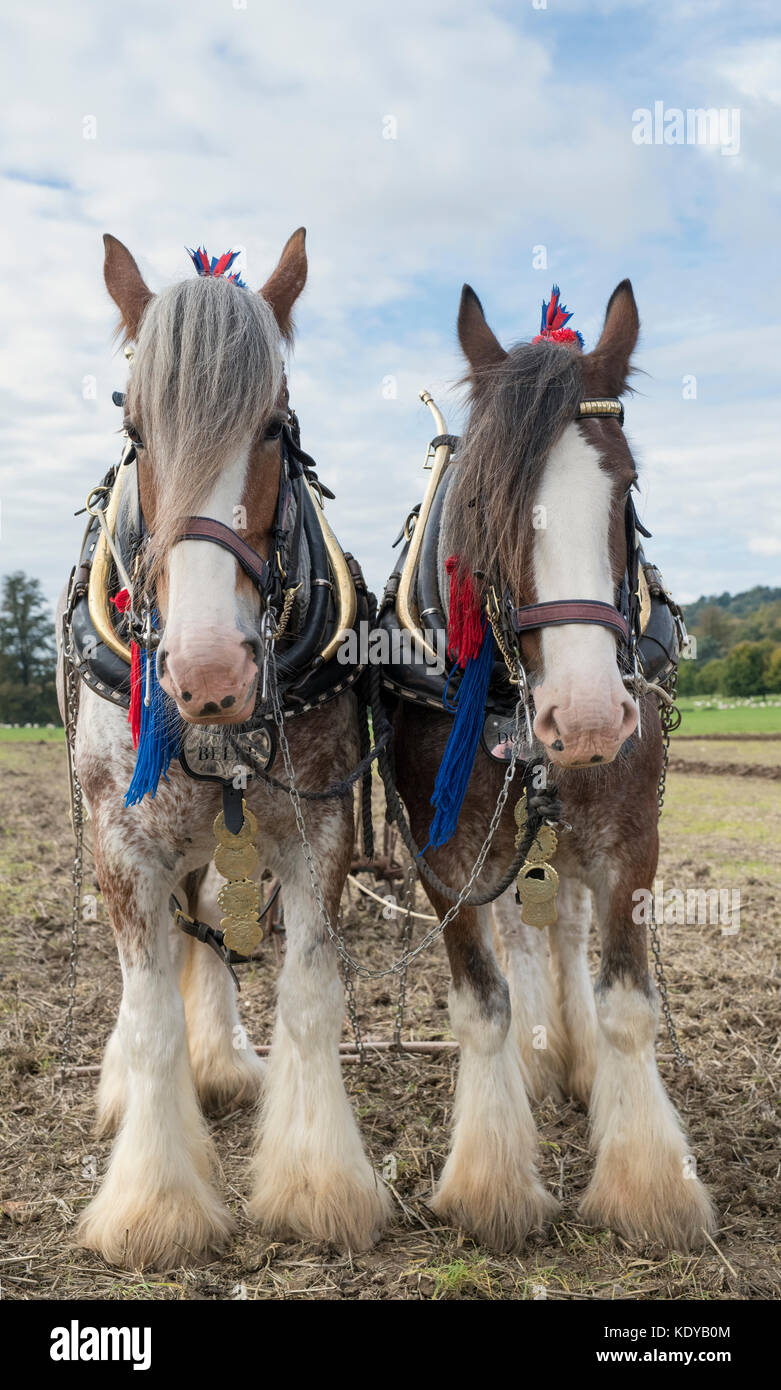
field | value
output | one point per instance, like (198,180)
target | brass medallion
(538,894)
(538,881)
(521,816)
(248,830)
(544,844)
(239,899)
(238,860)
(241,934)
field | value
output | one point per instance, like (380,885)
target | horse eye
(132,433)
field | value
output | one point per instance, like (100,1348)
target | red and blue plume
(217,266)
(554,319)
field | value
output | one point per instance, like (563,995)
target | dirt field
(722,829)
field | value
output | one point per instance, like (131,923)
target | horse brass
(241,934)
(521,816)
(544,845)
(248,830)
(236,860)
(239,899)
(538,894)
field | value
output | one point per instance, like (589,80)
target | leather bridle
(206,528)
(293,464)
(623,620)
(570,610)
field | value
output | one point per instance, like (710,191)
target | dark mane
(519,408)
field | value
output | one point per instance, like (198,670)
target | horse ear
(481,349)
(609,364)
(285,284)
(125,284)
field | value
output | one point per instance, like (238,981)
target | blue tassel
(158,740)
(458,758)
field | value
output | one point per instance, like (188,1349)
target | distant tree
(27,653)
(708,649)
(773,673)
(711,677)
(746,668)
(764,623)
(714,623)
(687,678)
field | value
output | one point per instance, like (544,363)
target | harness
(647,621)
(305,559)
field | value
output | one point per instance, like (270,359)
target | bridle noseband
(570,610)
(206,528)
(532,616)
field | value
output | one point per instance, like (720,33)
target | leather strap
(609,406)
(205,528)
(570,610)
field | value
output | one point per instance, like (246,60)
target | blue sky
(227,125)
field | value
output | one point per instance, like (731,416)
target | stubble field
(721,829)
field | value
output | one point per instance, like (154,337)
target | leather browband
(205,528)
(606,406)
(570,610)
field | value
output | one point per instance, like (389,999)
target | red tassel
(121,602)
(465,628)
(134,714)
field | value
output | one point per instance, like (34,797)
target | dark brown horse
(537,506)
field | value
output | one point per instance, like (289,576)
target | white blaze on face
(581,700)
(207,661)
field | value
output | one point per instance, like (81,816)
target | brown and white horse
(538,505)
(206,380)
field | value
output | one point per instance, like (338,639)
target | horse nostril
(227,701)
(186,696)
(558,745)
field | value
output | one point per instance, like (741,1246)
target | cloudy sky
(228,123)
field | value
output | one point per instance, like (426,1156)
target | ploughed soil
(721,830)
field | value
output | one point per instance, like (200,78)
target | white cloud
(765,545)
(226,126)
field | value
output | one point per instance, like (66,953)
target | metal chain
(406,937)
(434,932)
(352,1010)
(681,1059)
(77,818)
(670,719)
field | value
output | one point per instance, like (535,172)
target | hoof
(157,1229)
(657,1205)
(500,1218)
(344,1209)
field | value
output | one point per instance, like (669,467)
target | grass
(702,715)
(724,714)
(458,1278)
(31,734)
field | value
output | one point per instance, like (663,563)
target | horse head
(538,512)
(206,391)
